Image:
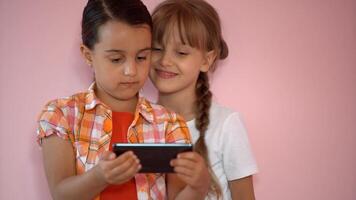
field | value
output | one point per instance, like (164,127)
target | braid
(203,104)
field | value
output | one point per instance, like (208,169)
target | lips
(128,84)
(165,74)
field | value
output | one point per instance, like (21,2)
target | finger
(129,173)
(184,171)
(193,156)
(123,175)
(182,162)
(125,166)
(122,158)
(107,155)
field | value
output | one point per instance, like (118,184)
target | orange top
(80,119)
(120,124)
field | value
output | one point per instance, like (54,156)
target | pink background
(291,74)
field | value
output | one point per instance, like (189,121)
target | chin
(161,86)
(166,90)
(126,97)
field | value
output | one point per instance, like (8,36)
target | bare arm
(174,185)
(191,180)
(59,164)
(242,189)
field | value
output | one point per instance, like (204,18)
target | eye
(116,60)
(141,58)
(182,53)
(156,49)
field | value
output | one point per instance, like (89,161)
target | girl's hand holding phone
(192,169)
(117,170)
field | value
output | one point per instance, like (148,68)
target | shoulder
(57,116)
(160,113)
(225,124)
(166,121)
(221,114)
(65,105)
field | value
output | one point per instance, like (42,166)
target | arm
(239,163)
(174,185)
(191,179)
(242,189)
(61,173)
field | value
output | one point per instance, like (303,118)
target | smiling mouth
(165,74)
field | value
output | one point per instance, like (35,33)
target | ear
(87,54)
(209,58)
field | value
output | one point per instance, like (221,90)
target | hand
(117,170)
(191,169)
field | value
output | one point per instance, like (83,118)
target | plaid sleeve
(52,121)
(177,130)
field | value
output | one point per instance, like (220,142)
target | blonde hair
(199,26)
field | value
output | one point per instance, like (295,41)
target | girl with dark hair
(76,133)
(187,43)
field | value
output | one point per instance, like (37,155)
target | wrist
(201,192)
(99,177)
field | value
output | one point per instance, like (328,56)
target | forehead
(174,35)
(180,31)
(120,35)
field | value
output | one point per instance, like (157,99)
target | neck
(124,105)
(179,102)
(117,105)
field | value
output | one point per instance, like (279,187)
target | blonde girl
(188,43)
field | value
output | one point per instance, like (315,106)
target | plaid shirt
(86,123)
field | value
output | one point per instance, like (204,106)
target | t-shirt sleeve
(52,121)
(238,159)
(177,130)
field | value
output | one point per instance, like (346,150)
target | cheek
(191,70)
(151,74)
(155,58)
(189,66)
(98,66)
(144,70)
(105,74)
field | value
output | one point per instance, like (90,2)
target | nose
(166,59)
(130,68)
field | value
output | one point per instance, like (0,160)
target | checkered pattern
(80,119)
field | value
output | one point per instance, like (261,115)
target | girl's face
(176,66)
(120,60)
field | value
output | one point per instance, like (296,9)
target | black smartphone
(154,158)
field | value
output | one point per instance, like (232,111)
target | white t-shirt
(228,146)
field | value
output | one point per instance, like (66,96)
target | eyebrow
(121,51)
(114,51)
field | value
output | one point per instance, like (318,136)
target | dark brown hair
(199,26)
(98,12)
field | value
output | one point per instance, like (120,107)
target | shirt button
(107,126)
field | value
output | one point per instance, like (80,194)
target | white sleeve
(238,159)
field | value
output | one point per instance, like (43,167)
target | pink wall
(291,73)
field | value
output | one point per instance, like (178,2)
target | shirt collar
(91,101)
(143,108)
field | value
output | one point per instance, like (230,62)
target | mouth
(128,83)
(165,74)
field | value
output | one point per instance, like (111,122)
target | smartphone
(154,158)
